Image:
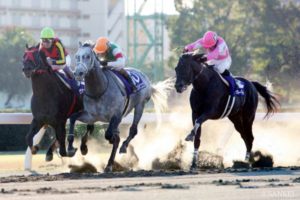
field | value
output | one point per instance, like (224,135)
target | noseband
(92,65)
(190,78)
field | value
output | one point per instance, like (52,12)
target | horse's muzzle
(180,87)
(27,73)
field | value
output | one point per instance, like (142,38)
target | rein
(190,81)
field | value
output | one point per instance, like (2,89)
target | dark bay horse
(51,103)
(105,100)
(209,98)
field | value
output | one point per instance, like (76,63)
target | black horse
(209,98)
(51,103)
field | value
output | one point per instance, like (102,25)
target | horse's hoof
(189,138)
(193,167)
(123,150)
(34,149)
(49,157)
(108,169)
(63,153)
(83,149)
(72,152)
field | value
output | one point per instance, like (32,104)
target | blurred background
(262,36)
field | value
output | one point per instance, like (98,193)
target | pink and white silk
(219,53)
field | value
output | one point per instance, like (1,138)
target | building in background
(71,20)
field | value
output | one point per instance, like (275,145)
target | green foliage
(12,47)
(226,18)
(262,37)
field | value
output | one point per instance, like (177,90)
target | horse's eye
(88,57)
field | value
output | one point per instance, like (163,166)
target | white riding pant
(221,65)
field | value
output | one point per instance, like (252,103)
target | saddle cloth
(76,86)
(135,78)
(228,80)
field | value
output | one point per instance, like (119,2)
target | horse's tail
(160,93)
(271,101)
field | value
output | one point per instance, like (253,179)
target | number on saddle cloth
(135,78)
(76,86)
(232,83)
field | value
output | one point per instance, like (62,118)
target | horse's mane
(88,43)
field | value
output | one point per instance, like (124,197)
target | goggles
(47,40)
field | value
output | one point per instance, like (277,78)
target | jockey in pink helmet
(218,54)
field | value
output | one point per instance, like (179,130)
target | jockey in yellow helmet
(113,57)
(57,55)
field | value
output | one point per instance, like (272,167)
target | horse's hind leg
(138,112)
(248,122)
(84,139)
(237,120)
(49,154)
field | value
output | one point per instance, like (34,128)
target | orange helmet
(102,45)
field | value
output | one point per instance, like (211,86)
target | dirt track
(257,183)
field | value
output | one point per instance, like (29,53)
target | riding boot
(227,73)
(69,72)
(124,73)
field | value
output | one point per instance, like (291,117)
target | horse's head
(185,71)
(31,60)
(85,58)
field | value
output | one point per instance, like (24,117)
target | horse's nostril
(81,73)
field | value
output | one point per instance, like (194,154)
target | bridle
(190,78)
(37,69)
(93,66)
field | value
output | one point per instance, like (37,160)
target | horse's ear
(92,47)
(37,46)
(79,44)
(26,46)
(198,56)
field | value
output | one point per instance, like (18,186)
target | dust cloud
(281,140)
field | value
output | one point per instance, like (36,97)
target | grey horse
(105,100)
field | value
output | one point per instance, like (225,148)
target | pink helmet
(210,39)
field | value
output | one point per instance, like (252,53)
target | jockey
(218,54)
(57,55)
(113,58)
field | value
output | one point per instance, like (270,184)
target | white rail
(147,118)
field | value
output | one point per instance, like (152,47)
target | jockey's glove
(103,62)
(185,50)
(202,60)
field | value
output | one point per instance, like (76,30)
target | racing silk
(56,52)
(219,53)
(115,56)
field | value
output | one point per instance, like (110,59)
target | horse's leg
(191,136)
(116,140)
(112,135)
(84,139)
(34,129)
(138,112)
(61,136)
(49,155)
(82,116)
(248,122)
(237,120)
(197,129)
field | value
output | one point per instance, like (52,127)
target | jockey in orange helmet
(57,55)
(112,57)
